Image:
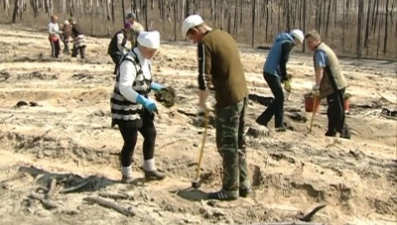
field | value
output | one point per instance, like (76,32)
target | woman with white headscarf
(131,108)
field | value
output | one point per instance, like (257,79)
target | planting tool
(313,113)
(196,183)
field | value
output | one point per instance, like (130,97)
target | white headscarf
(149,39)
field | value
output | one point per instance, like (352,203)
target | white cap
(190,22)
(149,39)
(298,34)
(66,22)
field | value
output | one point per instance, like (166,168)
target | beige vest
(333,71)
(135,30)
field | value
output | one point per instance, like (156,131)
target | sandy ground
(67,139)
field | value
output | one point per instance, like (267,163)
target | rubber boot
(154,175)
(82,52)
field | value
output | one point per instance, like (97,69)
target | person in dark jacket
(330,84)
(79,45)
(65,36)
(116,48)
(275,73)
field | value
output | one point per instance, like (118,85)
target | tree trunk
(366,36)
(146,15)
(379,30)
(267,21)
(123,11)
(360,14)
(253,23)
(304,21)
(113,16)
(386,28)
(16,10)
(175,9)
(235,26)
(328,17)
(241,12)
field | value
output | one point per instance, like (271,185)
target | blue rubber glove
(147,103)
(156,87)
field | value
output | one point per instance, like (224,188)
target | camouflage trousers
(230,141)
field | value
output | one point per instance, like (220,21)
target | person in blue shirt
(275,73)
(330,83)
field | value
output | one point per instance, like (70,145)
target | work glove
(284,79)
(287,85)
(147,103)
(156,87)
(316,90)
(200,114)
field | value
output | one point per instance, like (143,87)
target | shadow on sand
(192,194)
(67,182)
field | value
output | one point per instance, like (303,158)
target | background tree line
(360,28)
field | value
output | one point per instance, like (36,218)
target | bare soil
(64,138)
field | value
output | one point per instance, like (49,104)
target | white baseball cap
(190,22)
(298,34)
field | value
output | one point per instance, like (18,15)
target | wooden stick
(110,205)
(51,189)
(308,216)
(48,204)
(115,196)
(75,188)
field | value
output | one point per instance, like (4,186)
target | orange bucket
(309,103)
(346,105)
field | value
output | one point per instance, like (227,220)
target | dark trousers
(336,114)
(77,50)
(116,59)
(55,48)
(129,132)
(65,47)
(276,107)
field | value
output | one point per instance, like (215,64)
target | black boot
(345,133)
(82,52)
(126,180)
(261,121)
(330,133)
(154,175)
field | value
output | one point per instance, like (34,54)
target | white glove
(199,120)
(316,90)
(200,111)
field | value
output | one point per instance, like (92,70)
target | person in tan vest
(330,84)
(136,29)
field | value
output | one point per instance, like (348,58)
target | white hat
(149,39)
(298,34)
(190,22)
(66,22)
